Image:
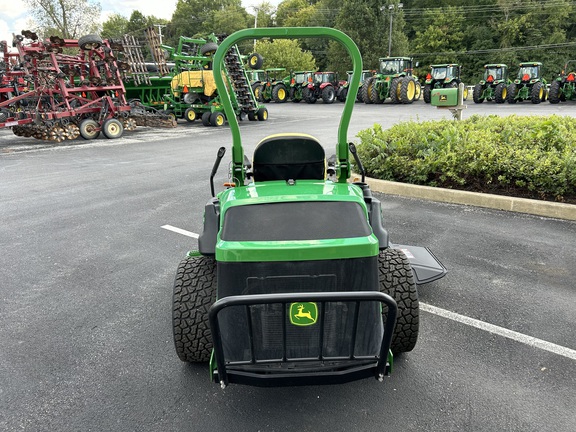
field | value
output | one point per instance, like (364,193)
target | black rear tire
(554,95)
(328,94)
(397,280)
(255,61)
(511,98)
(194,294)
(427,93)
(500,93)
(206,118)
(208,49)
(537,93)
(91,41)
(367,89)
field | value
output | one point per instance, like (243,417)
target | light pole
(256,10)
(391,9)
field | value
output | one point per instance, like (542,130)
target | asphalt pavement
(85,297)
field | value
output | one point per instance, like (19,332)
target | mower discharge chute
(295,280)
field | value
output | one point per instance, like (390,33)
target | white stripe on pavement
(501,331)
(180,231)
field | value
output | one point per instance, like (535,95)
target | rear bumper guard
(302,371)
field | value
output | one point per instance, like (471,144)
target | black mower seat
(289,157)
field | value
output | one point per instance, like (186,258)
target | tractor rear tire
(367,89)
(477,93)
(537,93)
(279,93)
(328,94)
(397,280)
(257,89)
(395,88)
(554,95)
(342,95)
(511,97)
(427,93)
(194,293)
(408,90)
(308,95)
(375,95)
(112,128)
(89,129)
(418,93)
(500,93)
(91,41)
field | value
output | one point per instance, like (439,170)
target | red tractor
(321,85)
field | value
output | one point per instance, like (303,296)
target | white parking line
(472,322)
(501,331)
(180,231)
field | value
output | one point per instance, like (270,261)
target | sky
(14,15)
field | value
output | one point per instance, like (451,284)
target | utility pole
(160,26)
(256,10)
(391,8)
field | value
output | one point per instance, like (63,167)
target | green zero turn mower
(295,280)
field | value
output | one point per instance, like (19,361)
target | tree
(227,21)
(114,26)
(441,35)
(69,19)
(285,53)
(193,18)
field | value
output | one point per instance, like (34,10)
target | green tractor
(272,87)
(256,78)
(343,94)
(298,80)
(295,280)
(394,80)
(494,84)
(188,90)
(529,85)
(443,76)
(563,88)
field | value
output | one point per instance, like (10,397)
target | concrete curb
(499,202)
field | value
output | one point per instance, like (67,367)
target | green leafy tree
(69,19)
(227,20)
(192,18)
(442,36)
(285,53)
(294,13)
(114,27)
(368,25)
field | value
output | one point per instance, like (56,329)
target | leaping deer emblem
(302,314)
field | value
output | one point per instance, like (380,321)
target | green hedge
(531,157)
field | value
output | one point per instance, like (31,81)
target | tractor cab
(395,66)
(495,73)
(528,72)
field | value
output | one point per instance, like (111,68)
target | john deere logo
(303,314)
(443,97)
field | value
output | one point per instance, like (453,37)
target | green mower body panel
(295,282)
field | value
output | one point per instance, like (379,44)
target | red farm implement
(57,96)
